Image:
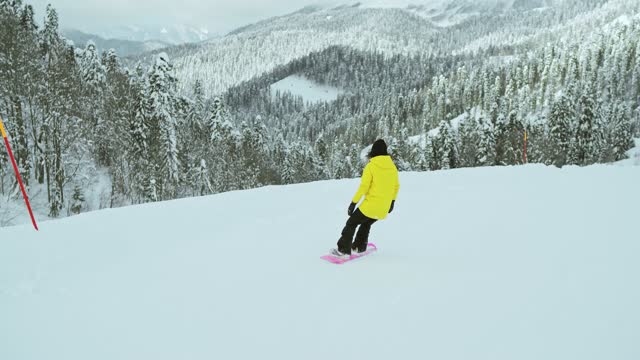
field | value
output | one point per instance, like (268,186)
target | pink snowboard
(334,260)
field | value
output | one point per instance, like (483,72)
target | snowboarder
(380,187)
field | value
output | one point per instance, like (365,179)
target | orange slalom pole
(15,167)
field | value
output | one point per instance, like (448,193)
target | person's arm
(365,184)
(395,194)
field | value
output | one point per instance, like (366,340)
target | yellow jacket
(379,186)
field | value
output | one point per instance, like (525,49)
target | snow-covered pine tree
(537,139)
(93,72)
(224,145)
(298,164)
(217,115)
(20,144)
(500,138)
(321,159)
(584,148)
(62,94)
(162,99)
(342,164)
(139,135)
(251,148)
(425,151)
(514,136)
(288,170)
(495,103)
(19,66)
(545,76)
(447,151)
(151,186)
(201,179)
(620,137)
(419,157)
(560,134)
(487,144)
(49,35)
(433,150)
(193,139)
(113,126)
(198,98)
(356,162)
(402,150)
(469,142)
(57,195)
(77,200)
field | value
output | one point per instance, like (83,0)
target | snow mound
(527,262)
(455,123)
(633,156)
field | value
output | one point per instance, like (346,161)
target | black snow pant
(362,237)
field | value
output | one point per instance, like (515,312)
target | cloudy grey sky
(219,16)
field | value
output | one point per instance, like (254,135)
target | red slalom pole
(15,167)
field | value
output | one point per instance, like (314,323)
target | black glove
(352,208)
(393,202)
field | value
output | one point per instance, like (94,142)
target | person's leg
(344,243)
(362,237)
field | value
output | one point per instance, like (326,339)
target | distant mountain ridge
(175,34)
(122,47)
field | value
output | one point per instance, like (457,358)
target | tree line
(74,114)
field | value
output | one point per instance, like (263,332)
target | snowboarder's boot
(339,254)
(358,250)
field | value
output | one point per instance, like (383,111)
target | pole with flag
(15,168)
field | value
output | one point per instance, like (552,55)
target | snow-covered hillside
(310,91)
(526,262)
(259,48)
(387,27)
(452,12)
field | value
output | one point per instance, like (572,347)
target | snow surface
(633,154)
(97,186)
(310,91)
(527,262)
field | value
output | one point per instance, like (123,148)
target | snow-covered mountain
(404,28)
(122,47)
(259,48)
(173,34)
(448,13)
(505,263)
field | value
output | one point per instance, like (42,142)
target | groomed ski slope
(508,263)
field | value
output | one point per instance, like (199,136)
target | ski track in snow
(528,262)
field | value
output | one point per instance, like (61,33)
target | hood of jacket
(383,162)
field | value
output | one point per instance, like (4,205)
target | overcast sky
(218,16)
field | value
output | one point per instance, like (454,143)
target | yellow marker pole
(4,134)
(15,168)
